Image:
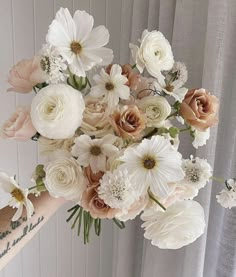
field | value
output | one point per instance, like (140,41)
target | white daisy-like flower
(17,197)
(94,152)
(153,163)
(78,43)
(53,64)
(111,86)
(227,198)
(117,189)
(197,173)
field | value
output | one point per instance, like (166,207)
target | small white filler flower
(227,197)
(17,196)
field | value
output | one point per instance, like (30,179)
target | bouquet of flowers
(110,136)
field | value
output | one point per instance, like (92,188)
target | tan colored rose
(129,122)
(19,126)
(92,203)
(128,72)
(93,178)
(199,109)
(145,87)
(25,75)
(95,119)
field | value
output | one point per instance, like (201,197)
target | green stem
(172,114)
(217,179)
(74,207)
(119,223)
(31,188)
(155,200)
(185,129)
(76,219)
(72,214)
(153,132)
(133,66)
(80,220)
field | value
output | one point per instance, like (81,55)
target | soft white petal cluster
(53,64)
(111,86)
(154,53)
(117,189)
(64,178)
(197,174)
(94,152)
(227,197)
(78,43)
(153,163)
(200,137)
(57,111)
(17,197)
(181,224)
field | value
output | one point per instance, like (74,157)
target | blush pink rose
(93,178)
(199,109)
(19,126)
(25,75)
(92,203)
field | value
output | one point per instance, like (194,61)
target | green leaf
(176,105)
(119,223)
(173,131)
(77,82)
(40,170)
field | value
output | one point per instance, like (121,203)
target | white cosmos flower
(197,173)
(94,152)
(64,178)
(181,224)
(78,43)
(200,137)
(117,189)
(153,163)
(154,53)
(18,197)
(57,110)
(111,86)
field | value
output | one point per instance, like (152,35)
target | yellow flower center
(76,47)
(18,195)
(95,150)
(149,163)
(109,86)
(169,88)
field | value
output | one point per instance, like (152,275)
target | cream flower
(156,109)
(117,189)
(95,118)
(154,53)
(57,111)
(78,44)
(113,87)
(181,224)
(94,152)
(153,163)
(18,196)
(227,198)
(197,173)
(200,137)
(64,178)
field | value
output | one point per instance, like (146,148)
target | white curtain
(203,35)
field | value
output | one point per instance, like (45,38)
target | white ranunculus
(156,109)
(64,178)
(154,53)
(57,111)
(181,224)
(227,198)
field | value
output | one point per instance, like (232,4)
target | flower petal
(18,213)
(84,24)
(97,38)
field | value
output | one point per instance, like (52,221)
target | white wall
(56,251)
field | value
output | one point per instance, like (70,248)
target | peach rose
(127,71)
(199,109)
(19,126)
(145,87)
(129,122)
(92,203)
(93,178)
(25,75)
(95,120)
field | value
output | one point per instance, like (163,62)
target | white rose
(181,224)
(64,178)
(57,111)
(95,119)
(154,52)
(156,109)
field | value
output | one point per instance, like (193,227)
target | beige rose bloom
(156,109)
(93,178)
(95,119)
(92,203)
(199,109)
(129,122)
